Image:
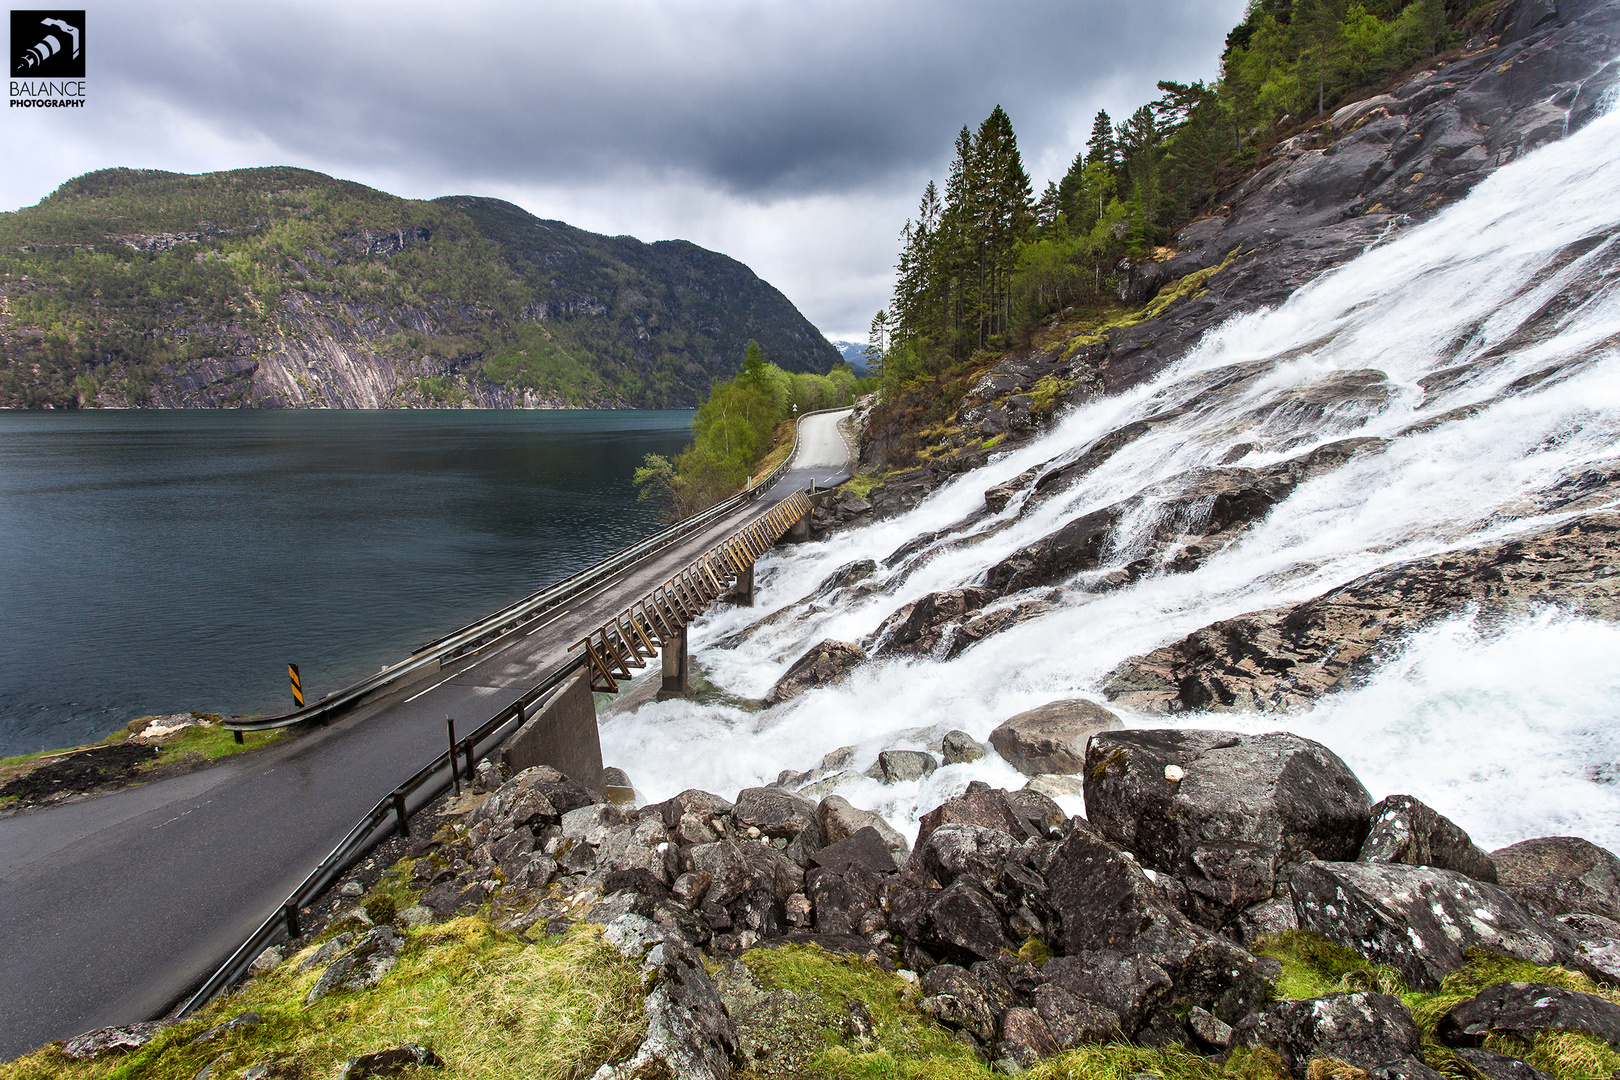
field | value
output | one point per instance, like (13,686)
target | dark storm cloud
(760,99)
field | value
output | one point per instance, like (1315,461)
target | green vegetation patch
(1314,966)
(492,1007)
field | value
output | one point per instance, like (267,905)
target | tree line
(986,259)
(736,427)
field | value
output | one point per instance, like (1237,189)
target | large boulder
(1405,830)
(1223,810)
(774,812)
(363,966)
(689,1035)
(824,663)
(1562,874)
(1124,946)
(1053,737)
(1417,919)
(1527,1010)
(837,818)
(1364,1030)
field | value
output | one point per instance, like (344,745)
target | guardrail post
(289,911)
(455,770)
(399,812)
(467,751)
(238,735)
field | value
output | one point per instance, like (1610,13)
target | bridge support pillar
(675,661)
(742,590)
(799,531)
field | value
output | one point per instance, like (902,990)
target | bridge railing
(473,637)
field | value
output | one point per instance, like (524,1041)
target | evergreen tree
(1101,147)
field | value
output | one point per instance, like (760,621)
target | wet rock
(1078,545)
(1275,916)
(591,824)
(957,849)
(954,997)
(534,797)
(1037,811)
(1025,1039)
(689,1036)
(1499,1066)
(963,923)
(390,1062)
(1124,947)
(839,900)
(823,664)
(996,498)
(726,867)
(1223,810)
(699,805)
(363,966)
(328,952)
(1362,1029)
(1209,1028)
(774,812)
(1417,919)
(838,819)
(1054,785)
(917,628)
(1053,737)
(1596,940)
(1563,874)
(989,807)
(959,747)
(1073,1022)
(1405,830)
(901,766)
(267,960)
(1526,1010)
(117,1039)
(1285,658)
(865,848)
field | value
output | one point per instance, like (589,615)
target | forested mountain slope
(282,287)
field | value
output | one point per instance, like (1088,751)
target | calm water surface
(162,561)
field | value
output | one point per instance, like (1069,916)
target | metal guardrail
(485,632)
(392,812)
(429,782)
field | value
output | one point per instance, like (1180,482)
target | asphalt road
(111,909)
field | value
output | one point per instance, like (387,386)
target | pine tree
(1101,147)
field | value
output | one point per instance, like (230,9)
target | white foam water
(1497,346)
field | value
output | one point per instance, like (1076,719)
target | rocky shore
(1157,919)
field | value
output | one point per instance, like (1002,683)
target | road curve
(111,909)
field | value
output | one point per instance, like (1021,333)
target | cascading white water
(1509,729)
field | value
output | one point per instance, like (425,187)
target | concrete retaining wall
(561,734)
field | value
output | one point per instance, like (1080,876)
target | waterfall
(1482,350)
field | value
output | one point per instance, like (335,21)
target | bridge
(115,909)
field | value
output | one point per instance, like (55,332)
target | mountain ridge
(283,287)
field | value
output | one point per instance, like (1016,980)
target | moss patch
(492,1007)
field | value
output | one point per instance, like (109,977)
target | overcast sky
(795,135)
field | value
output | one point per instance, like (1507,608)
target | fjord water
(1509,727)
(161,561)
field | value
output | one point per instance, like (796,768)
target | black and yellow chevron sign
(297,684)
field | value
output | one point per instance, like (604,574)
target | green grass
(492,1007)
(210,743)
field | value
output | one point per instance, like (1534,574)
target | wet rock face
(1405,830)
(918,628)
(1527,1010)
(1223,810)
(1365,1030)
(824,663)
(1563,874)
(1417,919)
(1053,737)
